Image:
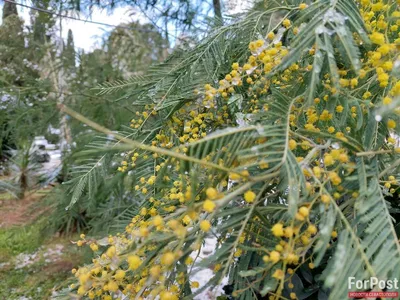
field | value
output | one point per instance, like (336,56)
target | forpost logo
(373,288)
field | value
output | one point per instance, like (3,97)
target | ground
(20,212)
(33,263)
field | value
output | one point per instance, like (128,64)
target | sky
(88,36)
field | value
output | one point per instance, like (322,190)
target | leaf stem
(137,144)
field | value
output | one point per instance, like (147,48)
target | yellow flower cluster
(293,240)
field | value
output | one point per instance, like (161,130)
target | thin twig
(137,144)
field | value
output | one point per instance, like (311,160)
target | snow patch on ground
(49,255)
(203,275)
(23,260)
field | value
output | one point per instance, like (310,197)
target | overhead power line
(78,19)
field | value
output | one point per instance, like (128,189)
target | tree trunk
(23,184)
(217,9)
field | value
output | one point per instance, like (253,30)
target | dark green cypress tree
(9,9)
(69,52)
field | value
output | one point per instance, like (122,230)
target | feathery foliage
(285,156)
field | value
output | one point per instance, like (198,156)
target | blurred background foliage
(39,71)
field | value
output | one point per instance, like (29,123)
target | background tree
(23,92)
(42,23)
(68,55)
(9,9)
